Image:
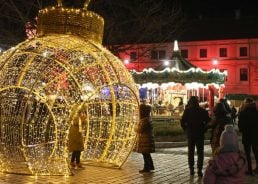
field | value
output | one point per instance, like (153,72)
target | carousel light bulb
(45,54)
(81,58)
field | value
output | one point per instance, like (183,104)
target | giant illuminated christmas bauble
(44,81)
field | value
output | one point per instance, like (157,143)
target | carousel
(169,86)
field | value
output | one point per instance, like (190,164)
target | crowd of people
(227,164)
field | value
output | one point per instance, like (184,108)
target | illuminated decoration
(174,75)
(46,80)
(164,79)
(176,48)
(179,70)
(31,29)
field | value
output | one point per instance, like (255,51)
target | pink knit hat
(229,140)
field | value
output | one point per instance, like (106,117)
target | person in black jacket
(248,126)
(194,121)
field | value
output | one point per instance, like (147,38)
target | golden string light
(46,80)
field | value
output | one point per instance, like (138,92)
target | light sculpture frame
(46,80)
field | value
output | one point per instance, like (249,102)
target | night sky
(203,19)
(218,8)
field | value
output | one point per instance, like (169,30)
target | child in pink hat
(228,164)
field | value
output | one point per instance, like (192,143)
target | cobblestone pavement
(171,168)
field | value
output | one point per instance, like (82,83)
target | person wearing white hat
(228,164)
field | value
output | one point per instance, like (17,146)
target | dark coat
(217,125)
(145,141)
(194,121)
(75,138)
(248,124)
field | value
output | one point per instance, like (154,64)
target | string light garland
(191,75)
(46,80)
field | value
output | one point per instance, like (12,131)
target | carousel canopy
(177,61)
(178,70)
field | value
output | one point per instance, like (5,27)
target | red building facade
(239,57)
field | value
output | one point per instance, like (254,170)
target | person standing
(217,125)
(248,126)
(75,139)
(228,164)
(145,143)
(233,114)
(224,101)
(194,121)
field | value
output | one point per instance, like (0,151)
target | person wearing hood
(248,126)
(228,164)
(217,125)
(145,139)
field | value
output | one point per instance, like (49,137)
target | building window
(162,54)
(158,54)
(223,52)
(243,51)
(154,54)
(203,53)
(133,56)
(243,74)
(184,53)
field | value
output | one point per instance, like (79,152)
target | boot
(144,170)
(250,170)
(79,165)
(152,167)
(191,171)
(200,174)
(72,164)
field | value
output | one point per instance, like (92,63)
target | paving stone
(170,168)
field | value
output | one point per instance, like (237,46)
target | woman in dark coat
(217,124)
(194,122)
(145,143)
(248,126)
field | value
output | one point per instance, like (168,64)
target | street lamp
(126,61)
(166,62)
(215,63)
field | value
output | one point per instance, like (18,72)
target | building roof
(176,62)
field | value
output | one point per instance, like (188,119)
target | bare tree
(139,21)
(126,21)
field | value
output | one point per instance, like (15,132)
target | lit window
(203,53)
(243,74)
(223,52)
(243,51)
